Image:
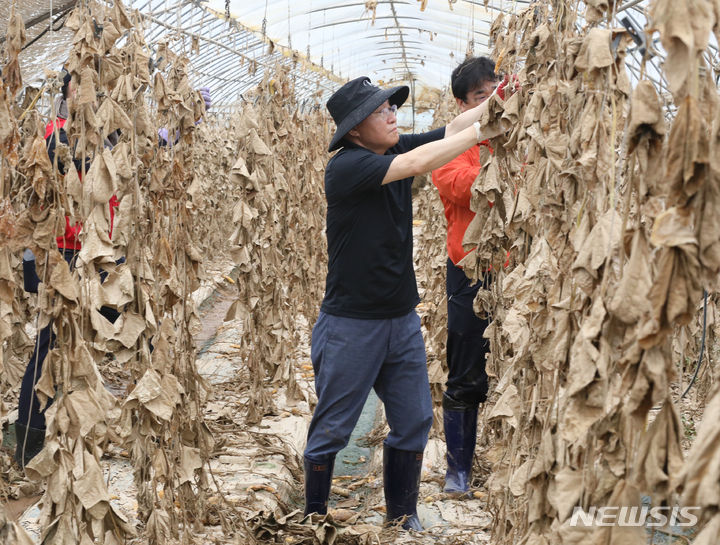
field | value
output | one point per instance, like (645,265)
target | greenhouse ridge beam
(388,35)
(358,4)
(403,52)
(360,20)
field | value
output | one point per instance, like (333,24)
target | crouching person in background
(368,334)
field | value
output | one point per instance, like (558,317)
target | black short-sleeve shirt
(369,233)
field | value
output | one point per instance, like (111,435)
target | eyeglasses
(385,112)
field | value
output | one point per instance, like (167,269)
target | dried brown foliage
(607,219)
(179,205)
(278,242)
(610,214)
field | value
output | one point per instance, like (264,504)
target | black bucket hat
(356,100)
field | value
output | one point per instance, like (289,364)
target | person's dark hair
(66,82)
(471,74)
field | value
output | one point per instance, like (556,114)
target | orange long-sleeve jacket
(453,181)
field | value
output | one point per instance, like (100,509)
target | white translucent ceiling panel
(397,41)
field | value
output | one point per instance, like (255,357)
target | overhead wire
(471,37)
(409,74)
(264,21)
(702,346)
(50,27)
(289,35)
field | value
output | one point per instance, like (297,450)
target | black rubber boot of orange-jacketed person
(460,436)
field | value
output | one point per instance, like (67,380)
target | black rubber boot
(30,277)
(30,442)
(318,478)
(401,480)
(460,435)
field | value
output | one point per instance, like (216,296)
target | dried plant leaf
(699,476)
(674,227)
(630,301)
(62,281)
(684,30)
(659,455)
(595,51)
(508,406)
(564,491)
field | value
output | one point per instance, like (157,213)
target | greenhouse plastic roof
(388,40)
(324,42)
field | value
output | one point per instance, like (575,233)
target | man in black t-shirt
(368,333)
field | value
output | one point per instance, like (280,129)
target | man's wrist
(477,130)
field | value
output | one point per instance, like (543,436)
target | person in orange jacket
(472,82)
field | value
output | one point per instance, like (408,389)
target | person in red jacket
(30,424)
(473,82)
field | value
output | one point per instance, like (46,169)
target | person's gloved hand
(205,94)
(508,86)
(164,137)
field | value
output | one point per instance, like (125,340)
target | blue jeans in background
(29,413)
